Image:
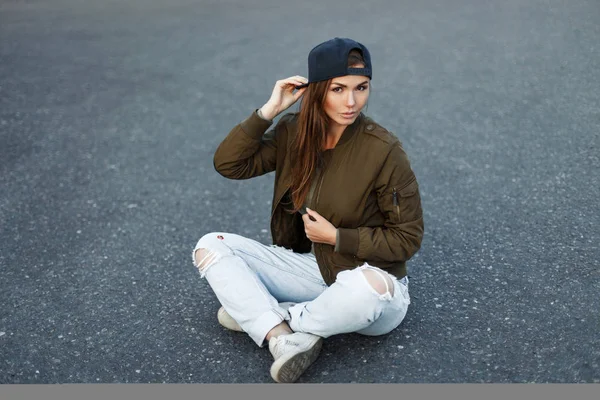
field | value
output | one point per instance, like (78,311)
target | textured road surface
(110,115)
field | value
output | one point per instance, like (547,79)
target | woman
(346,215)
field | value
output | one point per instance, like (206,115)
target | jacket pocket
(410,189)
(401,200)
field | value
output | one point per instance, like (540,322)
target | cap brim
(302,86)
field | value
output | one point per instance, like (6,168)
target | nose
(350,99)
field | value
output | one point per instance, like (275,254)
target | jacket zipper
(318,190)
(315,202)
(395,203)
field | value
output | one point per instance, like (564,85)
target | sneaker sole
(288,369)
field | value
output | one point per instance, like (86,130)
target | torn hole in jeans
(206,259)
(381,282)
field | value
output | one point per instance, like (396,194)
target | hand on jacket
(320,230)
(283,96)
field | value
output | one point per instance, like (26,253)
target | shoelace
(281,342)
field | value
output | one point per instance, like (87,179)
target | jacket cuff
(347,241)
(255,126)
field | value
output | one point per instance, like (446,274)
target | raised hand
(283,96)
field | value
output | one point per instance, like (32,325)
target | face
(346,97)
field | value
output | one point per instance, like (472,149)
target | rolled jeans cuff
(263,324)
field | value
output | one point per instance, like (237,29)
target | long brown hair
(313,123)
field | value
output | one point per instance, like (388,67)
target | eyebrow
(342,85)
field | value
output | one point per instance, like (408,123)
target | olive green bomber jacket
(366,189)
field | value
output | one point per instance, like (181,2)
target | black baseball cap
(330,59)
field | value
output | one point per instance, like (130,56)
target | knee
(209,239)
(203,258)
(380,281)
(207,251)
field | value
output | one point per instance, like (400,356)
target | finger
(299,93)
(292,81)
(288,87)
(306,218)
(291,86)
(312,212)
(314,216)
(298,77)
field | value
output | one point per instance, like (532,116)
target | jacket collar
(351,130)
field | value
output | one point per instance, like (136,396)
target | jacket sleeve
(399,200)
(247,151)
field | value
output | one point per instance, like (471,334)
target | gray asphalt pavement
(110,114)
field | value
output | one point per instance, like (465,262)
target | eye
(362,88)
(337,89)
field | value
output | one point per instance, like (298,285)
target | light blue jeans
(250,279)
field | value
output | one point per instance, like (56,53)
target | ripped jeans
(250,279)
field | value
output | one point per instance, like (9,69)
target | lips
(348,115)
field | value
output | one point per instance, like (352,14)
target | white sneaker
(293,354)
(225,319)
